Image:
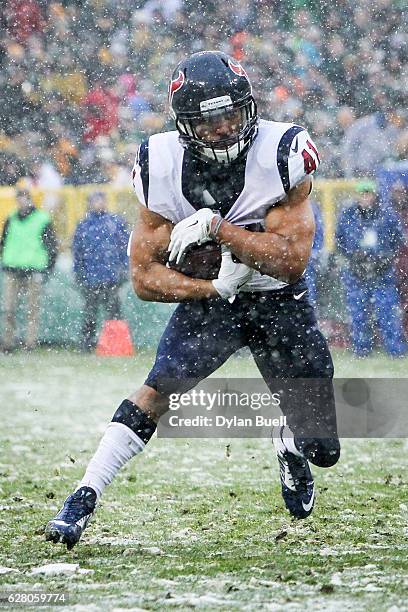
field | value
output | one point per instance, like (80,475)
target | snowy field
(192,523)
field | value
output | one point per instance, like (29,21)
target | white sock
(118,445)
(289,441)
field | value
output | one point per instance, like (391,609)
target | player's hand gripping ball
(195,229)
(200,261)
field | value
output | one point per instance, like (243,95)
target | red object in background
(281,93)
(23,18)
(100,113)
(115,340)
(238,41)
(127,83)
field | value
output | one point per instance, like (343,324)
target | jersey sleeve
(140,173)
(297,157)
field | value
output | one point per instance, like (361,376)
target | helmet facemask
(222,131)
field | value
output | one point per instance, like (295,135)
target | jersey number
(309,161)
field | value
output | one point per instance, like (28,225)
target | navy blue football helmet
(210,93)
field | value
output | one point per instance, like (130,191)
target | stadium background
(82,83)
(61,315)
(192,523)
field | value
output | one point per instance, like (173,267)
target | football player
(243,183)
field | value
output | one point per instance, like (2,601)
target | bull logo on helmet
(176,84)
(237,68)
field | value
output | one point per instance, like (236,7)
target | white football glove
(192,230)
(231,277)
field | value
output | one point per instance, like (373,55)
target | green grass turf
(187,524)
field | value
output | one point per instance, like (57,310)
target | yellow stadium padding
(69,205)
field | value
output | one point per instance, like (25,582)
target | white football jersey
(173,184)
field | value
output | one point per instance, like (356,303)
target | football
(200,261)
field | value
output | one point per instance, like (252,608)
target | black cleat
(296,479)
(72,519)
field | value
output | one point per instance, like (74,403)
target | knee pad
(138,421)
(323,452)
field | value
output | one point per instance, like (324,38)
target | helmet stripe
(176,84)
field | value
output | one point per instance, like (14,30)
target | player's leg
(198,339)
(358,299)
(127,434)
(286,344)
(387,307)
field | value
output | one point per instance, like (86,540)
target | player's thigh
(287,343)
(198,339)
(290,346)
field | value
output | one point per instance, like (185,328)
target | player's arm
(283,250)
(151,279)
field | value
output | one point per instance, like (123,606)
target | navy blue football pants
(283,337)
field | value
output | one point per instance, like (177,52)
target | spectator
(23,18)
(307,62)
(28,249)
(401,146)
(100,112)
(369,237)
(130,98)
(46,178)
(167,7)
(370,141)
(399,199)
(100,264)
(11,168)
(314,264)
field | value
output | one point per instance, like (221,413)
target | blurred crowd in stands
(82,82)
(370,261)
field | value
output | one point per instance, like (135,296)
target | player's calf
(323,452)
(126,436)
